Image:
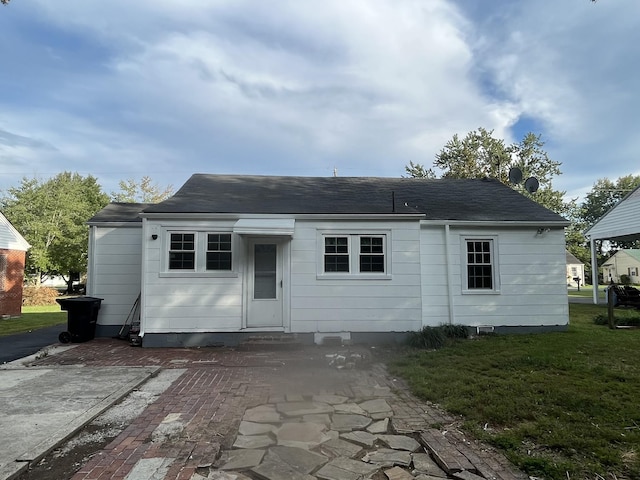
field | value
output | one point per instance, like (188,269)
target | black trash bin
(82,315)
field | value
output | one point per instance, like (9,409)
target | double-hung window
(352,255)
(218,251)
(182,251)
(372,254)
(200,253)
(480,265)
(336,254)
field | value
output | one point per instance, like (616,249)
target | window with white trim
(354,254)
(199,252)
(182,251)
(336,254)
(480,265)
(218,251)
(372,254)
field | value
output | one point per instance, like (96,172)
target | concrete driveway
(42,406)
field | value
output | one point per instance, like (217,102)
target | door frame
(284,251)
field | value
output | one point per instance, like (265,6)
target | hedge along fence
(34,296)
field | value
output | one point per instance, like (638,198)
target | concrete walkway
(273,415)
(42,406)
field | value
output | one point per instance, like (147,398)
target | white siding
(115,271)
(188,302)
(351,304)
(10,239)
(620,220)
(532,281)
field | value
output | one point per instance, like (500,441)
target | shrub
(428,338)
(454,330)
(34,296)
(433,338)
(625,279)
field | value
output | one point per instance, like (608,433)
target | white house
(364,259)
(575,271)
(623,262)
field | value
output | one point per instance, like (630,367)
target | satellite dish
(531,184)
(515,175)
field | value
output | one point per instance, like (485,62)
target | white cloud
(244,86)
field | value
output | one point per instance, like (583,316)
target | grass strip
(33,318)
(560,405)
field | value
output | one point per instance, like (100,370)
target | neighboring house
(623,262)
(13,249)
(362,259)
(621,223)
(575,271)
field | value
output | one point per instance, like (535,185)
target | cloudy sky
(120,89)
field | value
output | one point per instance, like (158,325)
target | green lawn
(560,405)
(587,291)
(33,318)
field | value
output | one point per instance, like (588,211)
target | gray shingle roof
(442,199)
(120,213)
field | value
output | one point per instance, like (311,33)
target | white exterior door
(264,283)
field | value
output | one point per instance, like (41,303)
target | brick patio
(219,384)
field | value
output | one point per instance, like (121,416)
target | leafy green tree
(144,191)
(52,217)
(415,170)
(605,194)
(479,154)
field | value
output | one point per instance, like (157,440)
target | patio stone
(322,418)
(466,475)
(338,447)
(302,435)
(262,414)
(253,441)
(387,457)
(400,442)
(423,463)
(397,473)
(298,409)
(252,428)
(376,405)
(294,397)
(343,468)
(299,459)
(219,475)
(278,470)
(345,422)
(330,399)
(361,438)
(349,408)
(381,426)
(242,459)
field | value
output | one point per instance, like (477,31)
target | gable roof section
(442,199)
(119,212)
(572,259)
(620,223)
(10,238)
(632,252)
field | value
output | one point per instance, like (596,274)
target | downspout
(89,290)
(449,274)
(594,270)
(143,268)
